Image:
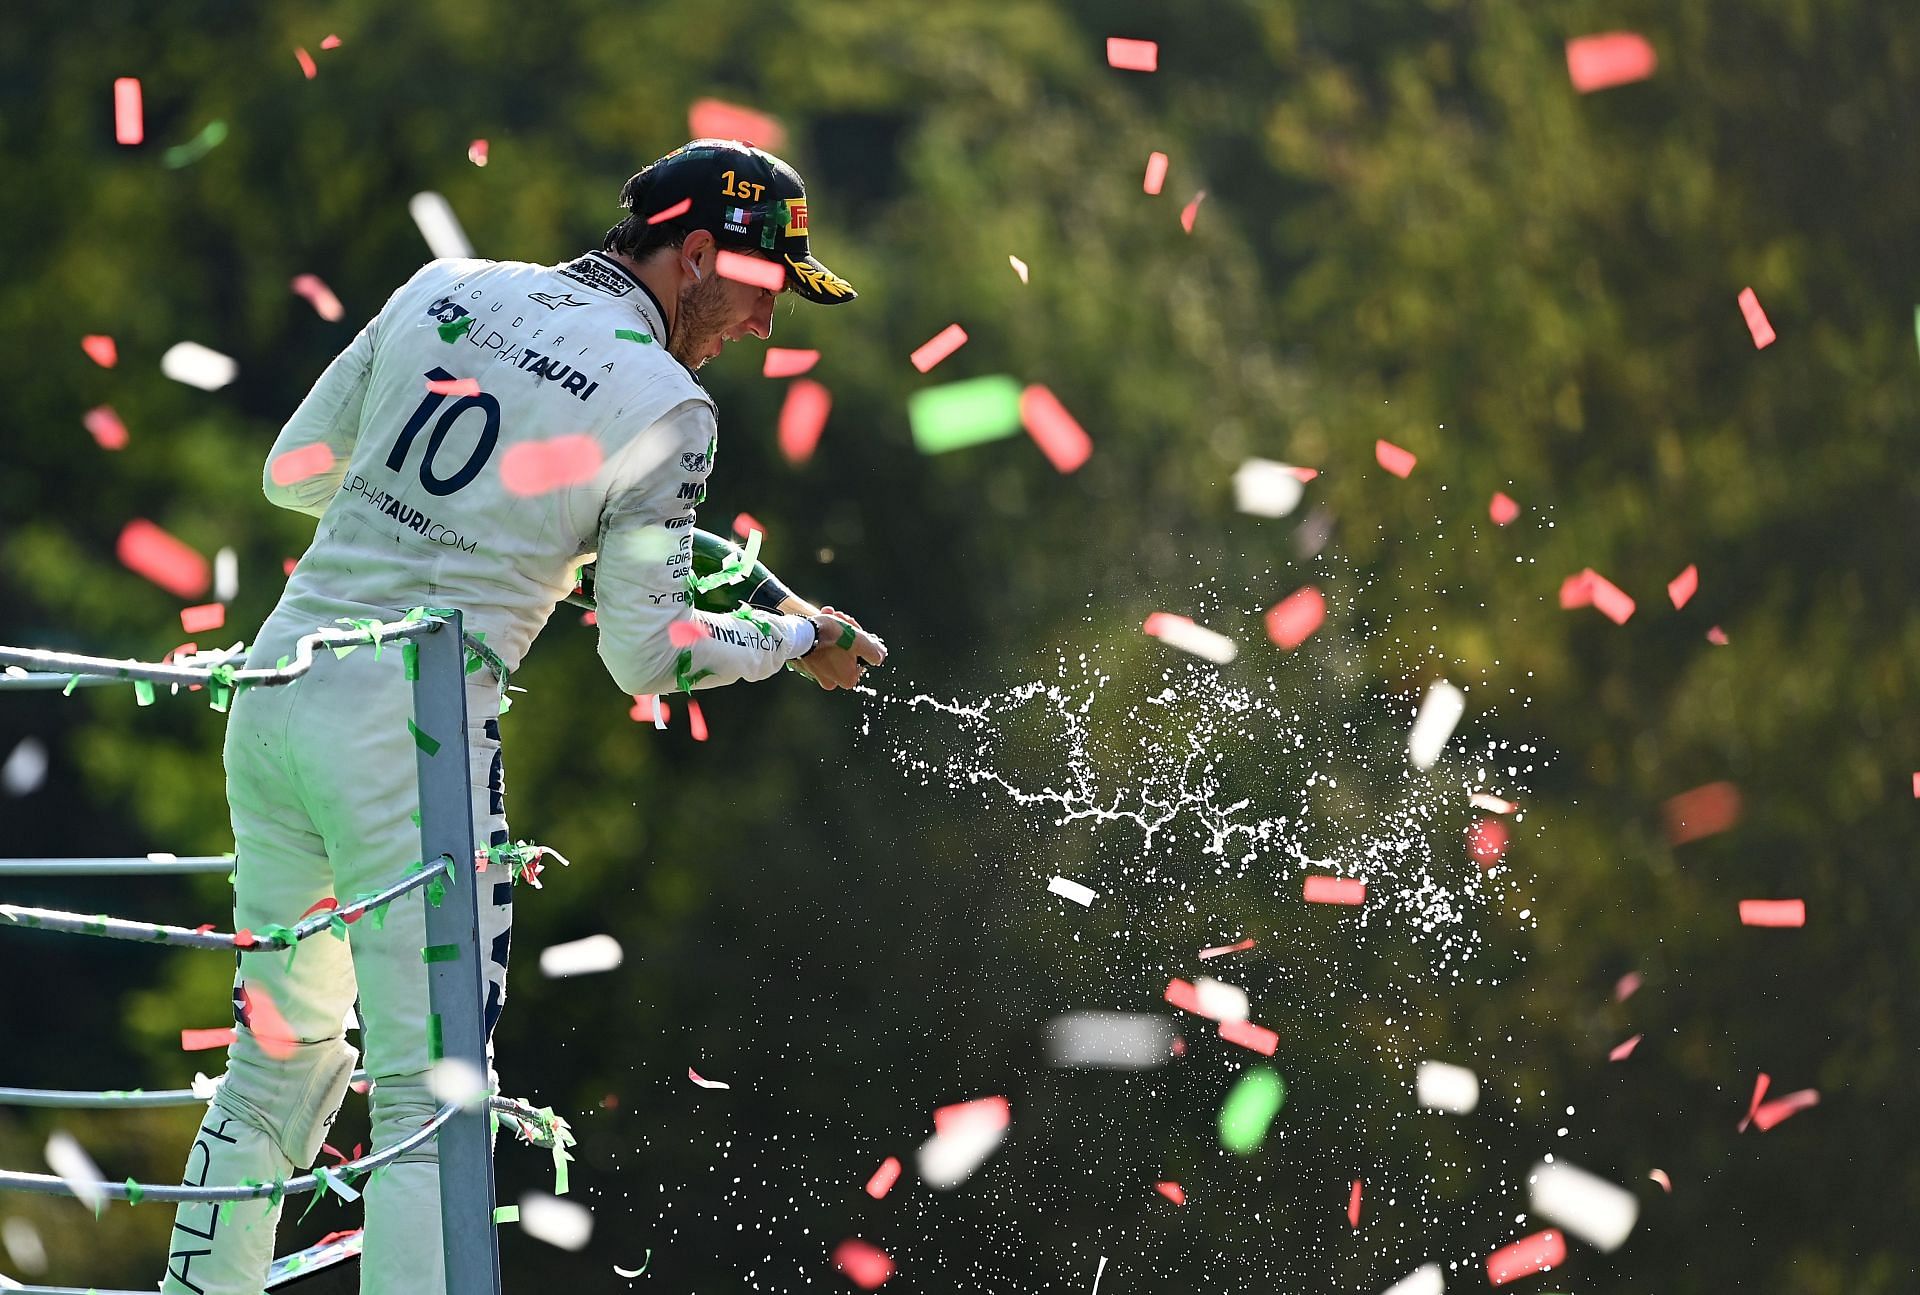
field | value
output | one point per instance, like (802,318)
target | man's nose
(760,323)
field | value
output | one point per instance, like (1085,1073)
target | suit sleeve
(646,561)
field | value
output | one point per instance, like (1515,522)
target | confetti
(1394,459)
(146,550)
(1702,812)
(206,616)
(1440,1086)
(1218,950)
(753,271)
(961,414)
(647,707)
(780,362)
(306,62)
(745,524)
(1108,1040)
(584,957)
(1621,1051)
(696,721)
(1756,320)
(74,1167)
(718,119)
(331,42)
(1172,1191)
(1586,1205)
(1057,433)
(884,1178)
(1292,620)
(1768,1114)
(1133,55)
(1759,1091)
(25,768)
(1528,1255)
(540,467)
(198,366)
(108,432)
(1773,912)
(477,152)
(1192,209)
(1334,890)
(964,1135)
(22,1240)
(1626,987)
(803,416)
(324,303)
(685,633)
(677,210)
(129,122)
(1717,636)
(996,1112)
(458,1082)
(1195,640)
(1156,172)
(1096,1275)
(1681,588)
(302,464)
(939,347)
(1256,1038)
(1503,510)
(211,136)
(454,386)
(1588,588)
(694,1075)
(1249,1109)
(1487,841)
(1492,804)
(1660,1176)
(1608,59)
(433,217)
(1265,488)
(1020,268)
(1434,724)
(1217,1000)
(264,1021)
(561,1224)
(101,350)
(646,1263)
(1079,894)
(1353,1205)
(205,1040)
(866,1266)
(1424,1280)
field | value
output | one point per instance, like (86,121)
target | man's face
(714,311)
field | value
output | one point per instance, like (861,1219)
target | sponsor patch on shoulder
(598,276)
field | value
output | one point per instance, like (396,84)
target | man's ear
(699,247)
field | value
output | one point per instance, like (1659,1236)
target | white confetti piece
(452,1079)
(1079,894)
(226,575)
(1096,1275)
(434,216)
(618,1271)
(1110,1040)
(580,957)
(1019,267)
(1424,1280)
(694,1075)
(71,1163)
(1266,489)
(1440,1086)
(199,366)
(1590,1207)
(1442,709)
(203,1087)
(22,1241)
(559,1223)
(1197,640)
(26,767)
(1492,804)
(951,1156)
(1220,1001)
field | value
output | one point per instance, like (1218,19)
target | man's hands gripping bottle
(725,579)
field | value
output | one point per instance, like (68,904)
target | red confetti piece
(866,1266)
(302,464)
(1773,912)
(649,709)
(1053,429)
(696,721)
(1577,590)
(1916,786)
(745,525)
(1258,1038)
(1609,59)
(1702,812)
(750,270)
(1178,1047)
(454,386)
(1660,1176)
(477,152)
(1621,1051)
(1682,587)
(1353,1205)
(107,429)
(306,63)
(264,1021)
(1394,459)
(1626,987)
(331,42)
(1717,636)
(1158,623)
(695,1076)
(1756,320)
(243,938)
(884,1178)
(540,467)
(326,904)
(129,118)
(1292,620)
(146,550)
(101,350)
(206,1040)
(206,616)
(981,1112)
(1172,1191)
(1759,1090)
(287,565)
(685,633)
(781,362)
(1133,55)
(1247,943)
(1771,1113)
(1588,588)
(1528,1255)
(803,415)
(1192,209)
(324,303)
(1305,474)
(718,119)
(1334,890)
(679,208)
(1487,841)
(939,347)
(1156,172)
(1183,996)
(1503,510)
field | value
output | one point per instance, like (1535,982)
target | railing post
(456,983)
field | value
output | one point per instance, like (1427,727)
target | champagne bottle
(756,587)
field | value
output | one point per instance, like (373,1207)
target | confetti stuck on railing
(1156,175)
(583,957)
(176,567)
(1133,55)
(199,366)
(938,347)
(1532,1254)
(865,1265)
(1293,620)
(104,425)
(769,276)
(1442,1086)
(718,119)
(319,296)
(884,1178)
(1586,1205)
(783,362)
(1757,323)
(1608,59)
(803,416)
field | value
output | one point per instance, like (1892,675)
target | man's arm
(299,477)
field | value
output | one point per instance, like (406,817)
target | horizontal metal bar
(153,865)
(322,1255)
(36,681)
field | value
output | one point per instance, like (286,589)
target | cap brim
(810,278)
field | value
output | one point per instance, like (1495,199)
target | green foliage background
(1413,230)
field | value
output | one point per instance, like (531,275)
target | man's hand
(832,666)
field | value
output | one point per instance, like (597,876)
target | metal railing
(433,644)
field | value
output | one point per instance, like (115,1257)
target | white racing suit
(586,436)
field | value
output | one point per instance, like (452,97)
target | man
(588,433)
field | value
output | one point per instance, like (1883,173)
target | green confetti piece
(337,927)
(682,668)
(421,740)
(437,891)
(211,136)
(143,691)
(632,335)
(73,682)
(1250,1108)
(410,659)
(506,1214)
(436,1041)
(958,414)
(456,330)
(135,1192)
(440,953)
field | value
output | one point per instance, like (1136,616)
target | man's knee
(402,1105)
(292,1099)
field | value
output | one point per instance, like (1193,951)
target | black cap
(746,198)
